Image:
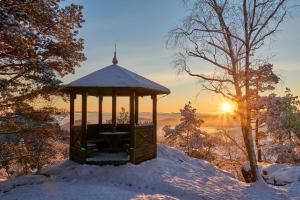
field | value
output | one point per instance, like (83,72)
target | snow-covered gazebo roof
(115,78)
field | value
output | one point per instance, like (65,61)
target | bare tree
(227,34)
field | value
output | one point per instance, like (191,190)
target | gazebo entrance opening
(110,142)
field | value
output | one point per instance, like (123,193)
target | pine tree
(38,44)
(123,117)
(282,119)
(263,79)
(187,134)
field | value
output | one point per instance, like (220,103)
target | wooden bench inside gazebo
(113,143)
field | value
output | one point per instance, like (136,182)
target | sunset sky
(140,29)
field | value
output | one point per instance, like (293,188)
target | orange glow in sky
(143,51)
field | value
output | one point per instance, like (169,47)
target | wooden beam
(100,110)
(154,120)
(114,111)
(136,109)
(84,119)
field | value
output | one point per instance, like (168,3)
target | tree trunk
(257,141)
(187,142)
(6,167)
(245,109)
(249,144)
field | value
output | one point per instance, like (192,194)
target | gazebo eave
(109,91)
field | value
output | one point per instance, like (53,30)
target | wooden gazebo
(113,143)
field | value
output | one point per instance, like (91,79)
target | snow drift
(173,175)
(281,174)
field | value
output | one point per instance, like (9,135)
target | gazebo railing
(143,143)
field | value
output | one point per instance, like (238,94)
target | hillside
(172,175)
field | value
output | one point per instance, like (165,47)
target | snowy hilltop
(173,175)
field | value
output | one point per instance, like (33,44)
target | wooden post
(154,120)
(114,112)
(131,121)
(136,109)
(72,111)
(84,119)
(154,109)
(131,112)
(100,110)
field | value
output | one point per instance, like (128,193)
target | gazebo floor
(103,158)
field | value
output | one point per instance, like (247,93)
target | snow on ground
(278,174)
(281,174)
(173,175)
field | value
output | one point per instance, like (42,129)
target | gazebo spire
(115,60)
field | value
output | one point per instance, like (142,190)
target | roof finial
(115,60)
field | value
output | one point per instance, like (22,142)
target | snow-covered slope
(172,175)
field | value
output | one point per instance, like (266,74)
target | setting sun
(226,107)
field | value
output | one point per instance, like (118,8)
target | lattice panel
(144,136)
(144,144)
